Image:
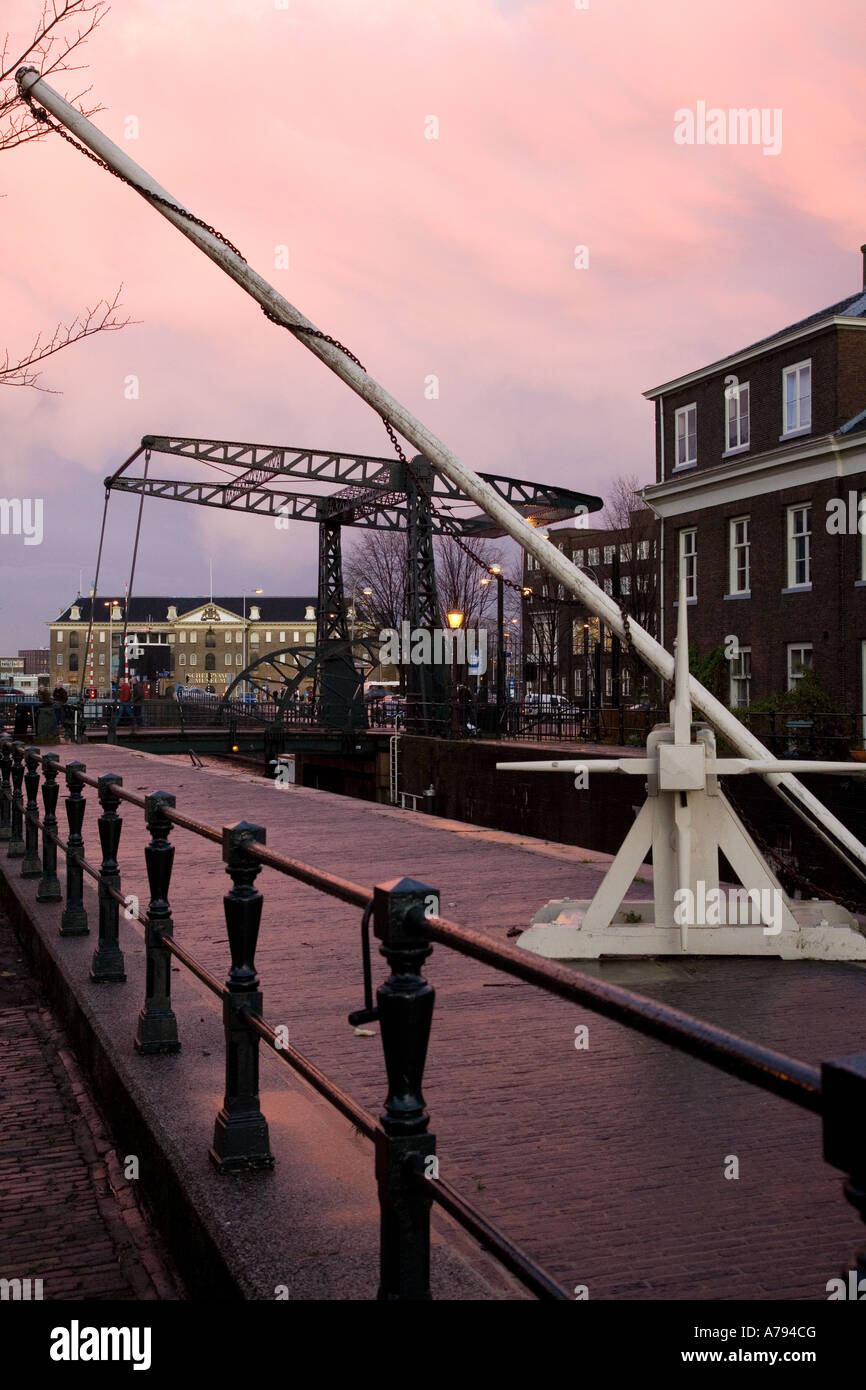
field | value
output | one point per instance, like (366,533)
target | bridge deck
(607,1164)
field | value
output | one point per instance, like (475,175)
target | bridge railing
(407,922)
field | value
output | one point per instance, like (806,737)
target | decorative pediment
(209,613)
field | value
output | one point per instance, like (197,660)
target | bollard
(107,966)
(5,790)
(240,1140)
(16,847)
(843,1091)
(405,1004)
(31,865)
(74,919)
(49,884)
(157,1025)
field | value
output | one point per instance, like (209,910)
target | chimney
(863,253)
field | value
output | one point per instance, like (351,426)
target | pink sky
(453,257)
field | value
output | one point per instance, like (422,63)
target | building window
(60,636)
(181,660)
(193,659)
(608,587)
(183,637)
(73,639)
(737,416)
(228,658)
(267,637)
(310,638)
(686,436)
(73,661)
(799,662)
(609,551)
(210,638)
(643,550)
(282,637)
(238,659)
(59,658)
(102,636)
(797,398)
(592,555)
(209,661)
(578,682)
(625,584)
(608,682)
(739,573)
(102,658)
(799,547)
(577,557)
(741,679)
(577,631)
(625,682)
(254,639)
(861,510)
(297,637)
(689,561)
(193,637)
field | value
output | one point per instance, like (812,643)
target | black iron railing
(406,921)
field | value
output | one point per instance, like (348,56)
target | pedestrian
(124,696)
(59,699)
(178,691)
(137,701)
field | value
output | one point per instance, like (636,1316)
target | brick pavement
(67,1214)
(606,1164)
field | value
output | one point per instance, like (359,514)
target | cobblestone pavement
(68,1216)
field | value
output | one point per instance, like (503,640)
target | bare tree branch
(102,318)
(61,28)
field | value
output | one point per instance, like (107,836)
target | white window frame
(805,557)
(687,554)
(798,670)
(740,674)
(193,659)
(609,552)
(625,585)
(737,438)
(682,458)
(739,549)
(861,513)
(802,418)
(592,555)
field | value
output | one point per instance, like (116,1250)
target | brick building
(198,641)
(760,468)
(568,651)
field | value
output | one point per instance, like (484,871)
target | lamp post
(255,591)
(455,622)
(367,593)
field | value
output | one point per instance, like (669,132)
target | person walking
(137,701)
(59,699)
(124,697)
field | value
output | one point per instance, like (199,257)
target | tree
(61,28)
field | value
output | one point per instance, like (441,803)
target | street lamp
(255,591)
(455,622)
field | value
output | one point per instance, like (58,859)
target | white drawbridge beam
(32,86)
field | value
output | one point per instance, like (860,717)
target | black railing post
(74,919)
(31,865)
(5,790)
(107,966)
(843,1091)
(405,1004)
(16,847)
(157,1025)
(240,1140)
(49,884)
